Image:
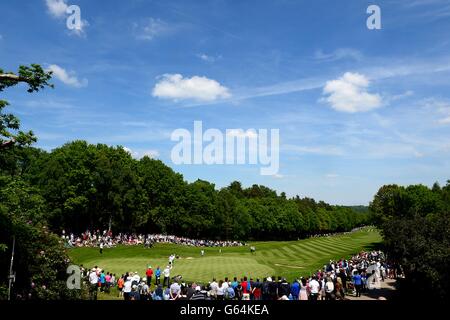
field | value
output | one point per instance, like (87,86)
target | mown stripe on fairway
(289,252)
(303,251)
(276,253)
(319,248)
(340,243)
(306,249)
(331,247)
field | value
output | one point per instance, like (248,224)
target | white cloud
(175,87)
(57,8)
(349,94)
(68,78)
(151,28)
(331,176)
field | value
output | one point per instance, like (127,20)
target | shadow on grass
(375,246)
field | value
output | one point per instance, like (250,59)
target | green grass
(287,259)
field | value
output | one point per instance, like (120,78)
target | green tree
(36,79)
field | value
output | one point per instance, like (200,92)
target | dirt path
(385,292)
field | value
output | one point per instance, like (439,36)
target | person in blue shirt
(357,282)
(102,281)
(234,284)
(157,276)
(295,290)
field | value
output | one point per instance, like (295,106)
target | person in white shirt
(322,289)
(166,273)
(127,288)
(329,288)
(136,278)
(175,290)
(214,286)
(225,285)
(93,281)
(314,287)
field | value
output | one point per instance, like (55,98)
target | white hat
(197,288)
(269,279)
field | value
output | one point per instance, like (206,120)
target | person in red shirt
(149,274)
(245,289)
(256,290)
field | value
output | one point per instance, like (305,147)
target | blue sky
(356,108)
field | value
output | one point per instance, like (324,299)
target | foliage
(40,260)
(36,79)
(414,222)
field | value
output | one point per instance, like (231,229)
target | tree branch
(13,77)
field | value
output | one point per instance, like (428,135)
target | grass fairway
(288,259)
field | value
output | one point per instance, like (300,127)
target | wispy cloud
(338,54)
(439,107)
(327,150)
(151,28)
(47,103)
(400,96)
(208,58)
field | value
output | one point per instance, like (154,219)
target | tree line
(84,186)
